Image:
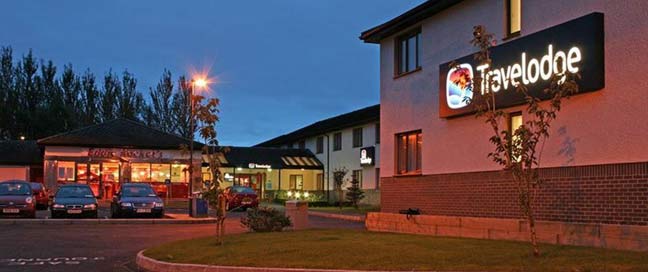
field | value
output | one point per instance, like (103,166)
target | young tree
(338,181)
(519,152)
(354,193)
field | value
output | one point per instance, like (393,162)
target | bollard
(298,212)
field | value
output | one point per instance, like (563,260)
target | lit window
(180,173)
(407,52)
(160,172)
(515,122)
(513,17)
(140,172)
(110,172)
(296,182)
(65,171)
(409,153)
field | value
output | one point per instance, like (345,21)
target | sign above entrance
(124,153)
(261,166)
(576,46)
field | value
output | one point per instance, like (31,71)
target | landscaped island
(362,250)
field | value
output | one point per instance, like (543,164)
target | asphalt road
(103,247)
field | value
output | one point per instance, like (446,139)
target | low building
(21,160)
(350,140)
(434,151)
(119,151)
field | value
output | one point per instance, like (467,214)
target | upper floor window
(513,17)
(302,144)
(337,141)
(357,137)
(408,155)
(408,52)
(377,133)
(319,146)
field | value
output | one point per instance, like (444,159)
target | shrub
(264,219)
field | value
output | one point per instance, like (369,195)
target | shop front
(116,152)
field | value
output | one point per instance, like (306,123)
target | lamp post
(201,83)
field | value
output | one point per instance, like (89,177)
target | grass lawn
(362,210)
(347,249)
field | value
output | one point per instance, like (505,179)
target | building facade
(434,151)
(350,141)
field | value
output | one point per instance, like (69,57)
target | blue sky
(280,65)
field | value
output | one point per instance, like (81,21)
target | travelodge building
(434,151)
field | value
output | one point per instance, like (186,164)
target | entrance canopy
(270,158)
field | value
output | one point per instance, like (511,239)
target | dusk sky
(280,65)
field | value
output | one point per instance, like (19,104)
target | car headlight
(90,206)
(58,206)
(126,204)
(29,200)
(159,204)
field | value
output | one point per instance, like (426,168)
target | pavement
(112,247)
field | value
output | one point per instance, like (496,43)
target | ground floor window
(296,182)
(140,172)
(357,175)
(377,178)
(320,182)
(408,155)
(110,172)
(65,171)
(160,172)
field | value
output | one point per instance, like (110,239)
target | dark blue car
(135,200)
(74,200)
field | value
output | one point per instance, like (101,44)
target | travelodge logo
(576,46)
(459,88)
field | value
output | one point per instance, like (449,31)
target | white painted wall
(607,126)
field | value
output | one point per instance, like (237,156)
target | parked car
(241,198)
(41,195)
(16,199)
(74,200)
(136,199)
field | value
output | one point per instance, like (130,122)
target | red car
(16,199)
(41,195)
(241,198)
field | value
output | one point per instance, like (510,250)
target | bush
(264,219)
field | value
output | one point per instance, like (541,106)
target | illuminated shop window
(140,172)
(179,173)
(65,172)
(110,172)
(160,172)
(409,153)
(513,17)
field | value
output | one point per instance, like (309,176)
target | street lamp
(195,83)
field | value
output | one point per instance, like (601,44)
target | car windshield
(36,186)
(74,192)
(10,188)
(243,190)
(137,191)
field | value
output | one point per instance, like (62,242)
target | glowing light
(200,83)
(142,173)
(81,172)
(289,193)
(22,138)
(306,194)
(297,195)
(239,168)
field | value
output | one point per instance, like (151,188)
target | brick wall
(607,194)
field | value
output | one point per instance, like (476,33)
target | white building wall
(606,126)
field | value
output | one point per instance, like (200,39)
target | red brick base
(606,194)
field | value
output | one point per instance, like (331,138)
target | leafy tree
(90,99)
(180,108)
(111,90)
(7,93)
(519,152)
(338,181)
(130,103)
(71,96)
(159,114)
(354,193)
(28,94)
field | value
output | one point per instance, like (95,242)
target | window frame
(337,141)
(418,165)
(508,34)
(319,145)
(357,137)
(377,173)
(509,124)
(398,51)
(357,175)
(377,133)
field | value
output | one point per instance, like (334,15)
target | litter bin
(198,207)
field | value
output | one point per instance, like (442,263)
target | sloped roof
(405,20)
(277,158)
(20,153)
(354,118)
(118,133)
